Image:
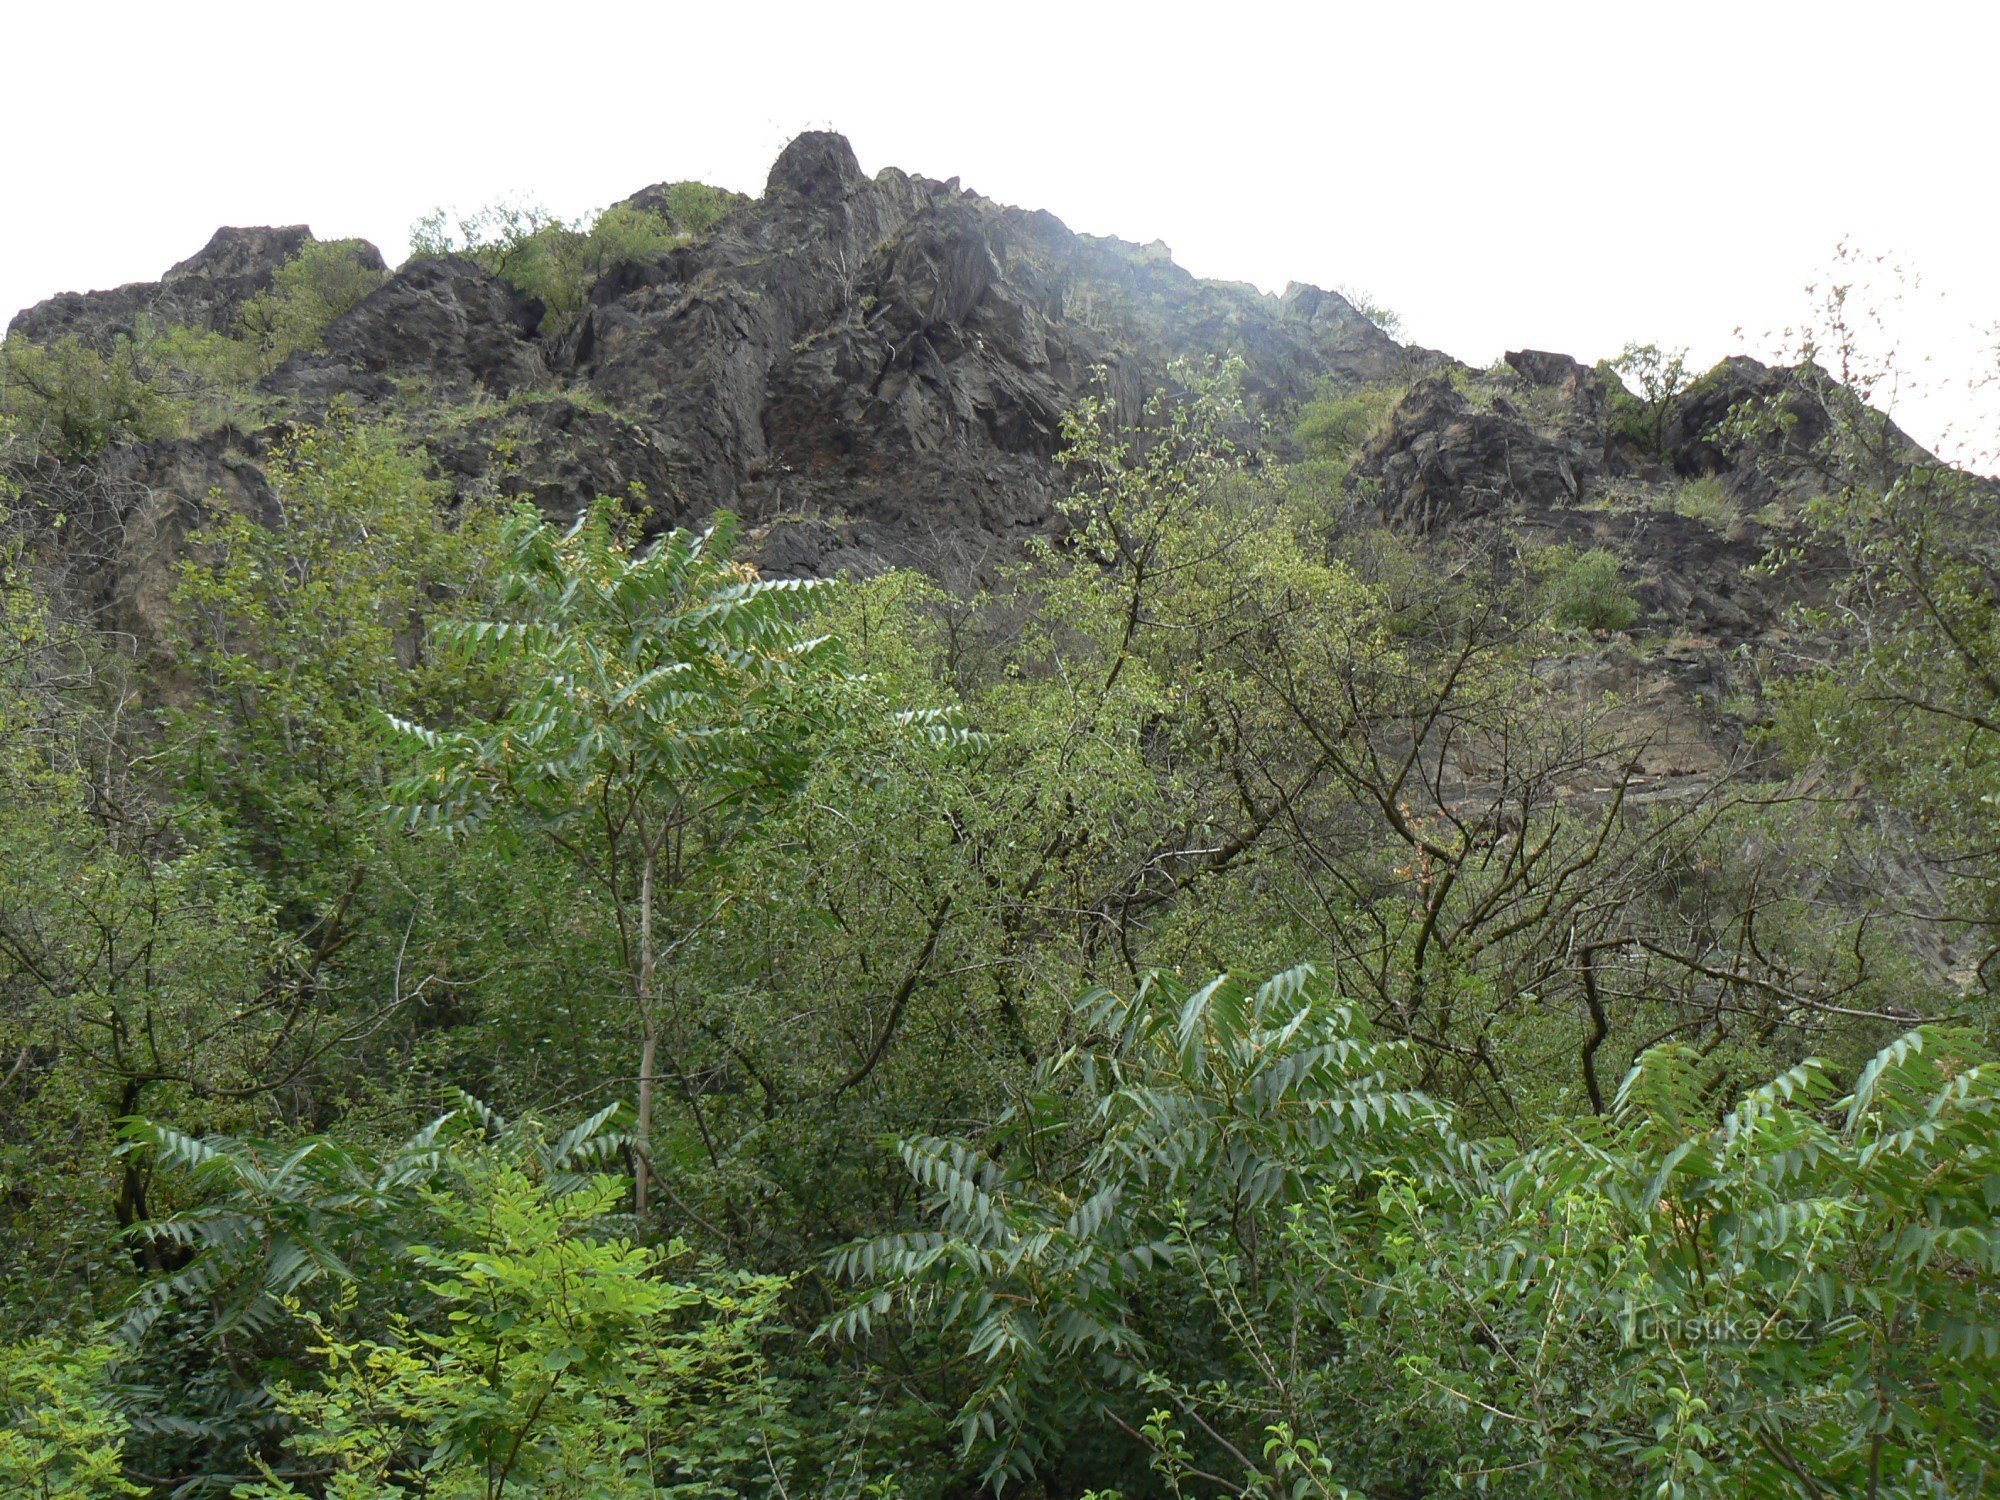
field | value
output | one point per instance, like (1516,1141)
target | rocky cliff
(871,369)
(874,370)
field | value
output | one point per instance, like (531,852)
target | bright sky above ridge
(1567,177)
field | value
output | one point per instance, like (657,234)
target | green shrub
(309,291)
(1586,591)
(61,1437)
(557,261)
(693,207)
(1670,1299)
(78,401)
(1335,427)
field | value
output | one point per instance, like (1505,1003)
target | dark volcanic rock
(874,371)
(207,290)
(891,356)
(1539,367)
(897,353)
(818,166)
(445,324)
(1442,461)
(1697,440)
(557,453)
(127,515)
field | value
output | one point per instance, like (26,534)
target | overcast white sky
(1561,176)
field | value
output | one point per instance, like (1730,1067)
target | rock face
(873,371)
(451,327)
(208,290)
(1442,461)
(896,353)
(877,367)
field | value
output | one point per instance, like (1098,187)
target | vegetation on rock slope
(1366,955)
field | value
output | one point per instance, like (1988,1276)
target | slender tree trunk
(649,1044)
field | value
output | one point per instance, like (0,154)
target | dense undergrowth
(501,1008)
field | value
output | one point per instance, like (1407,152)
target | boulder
(1441,461)
(442,329)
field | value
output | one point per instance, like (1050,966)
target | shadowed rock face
(890,356)
(441,330)
(874,370)
(1441,461)
(208,290)
(896,354)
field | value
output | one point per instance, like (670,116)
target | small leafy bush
(1662,379)
(693,207)
(61,1436)
(1706,500)
(75,400)
(78,401)
(1671,1299)
(316,286)
(1334,427)
(557,261)
(1586,591)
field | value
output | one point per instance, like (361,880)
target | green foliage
(545,1355)
(1798,1299)
(1662,378)
(1383,1226)
(1911,696)
(558,261)
(1586,590)
(662,695)
(669,672)
(559,1364)
(693,208)
(1336,427)
(75,399)
(80,401)
(61,1437)
(307,293)
(78,398)
(1190,1111)
(300,634)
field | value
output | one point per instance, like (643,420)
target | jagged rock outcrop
(874,371)
(873,368)
(441,330)
(897,353)
(890,356)
(208,290)
(123,519)
(1442,460)
(555,451)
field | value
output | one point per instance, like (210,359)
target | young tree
(559,1364)
(1663,378)
(61,1437)
(663,693)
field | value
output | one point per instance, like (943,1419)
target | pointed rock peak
(818,165)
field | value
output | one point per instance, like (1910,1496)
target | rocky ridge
(873,371)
